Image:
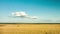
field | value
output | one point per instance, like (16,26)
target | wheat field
(29,28)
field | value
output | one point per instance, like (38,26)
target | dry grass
(29,28)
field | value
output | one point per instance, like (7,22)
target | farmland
(29,28)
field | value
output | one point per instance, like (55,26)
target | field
(29,28)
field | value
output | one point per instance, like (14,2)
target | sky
(47,11)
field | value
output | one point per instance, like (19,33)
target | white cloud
(34,17)
(19,14)
(23,14)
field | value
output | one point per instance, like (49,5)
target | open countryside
(29,28)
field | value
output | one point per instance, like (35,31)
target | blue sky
(48,11)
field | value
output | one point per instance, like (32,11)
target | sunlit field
(29,28)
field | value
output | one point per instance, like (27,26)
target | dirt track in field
(29,28)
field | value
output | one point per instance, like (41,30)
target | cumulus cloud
(19,14)
(34,17)
(23,14)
